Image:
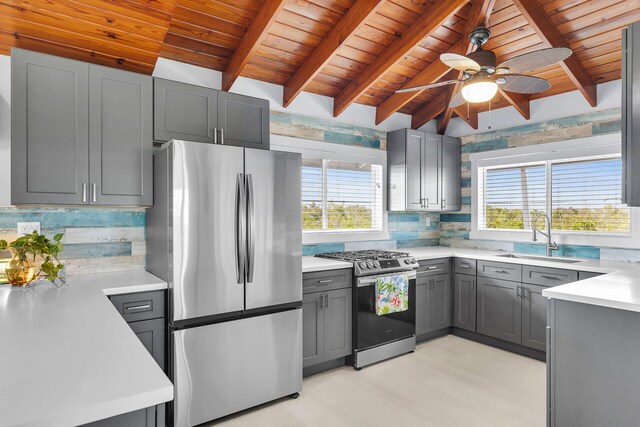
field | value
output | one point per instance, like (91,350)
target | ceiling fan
(481,76)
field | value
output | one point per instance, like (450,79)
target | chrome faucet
(550,246)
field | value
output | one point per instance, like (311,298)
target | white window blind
(579,195)
(339,195)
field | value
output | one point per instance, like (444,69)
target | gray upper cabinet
(423,170)
(243,120)
(120,139)
(464,301)
(184,111)
(499,309)
(81,133)
(631,115)
(49,129)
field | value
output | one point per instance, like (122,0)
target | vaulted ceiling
(352,50)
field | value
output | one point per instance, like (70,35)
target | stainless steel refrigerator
(225,233)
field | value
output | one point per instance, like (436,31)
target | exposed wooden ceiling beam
(480,12)
(518,101)
(251,41)
(427,23)
(430,110)
(468,114)
(549,33)
(350,22)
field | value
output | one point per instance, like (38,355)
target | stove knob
(407,261)
(363,265)
(413,260)
(370,264)
(377,264)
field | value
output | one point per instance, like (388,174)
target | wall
(455,227)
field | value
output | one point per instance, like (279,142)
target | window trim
(578,148)
(338,152)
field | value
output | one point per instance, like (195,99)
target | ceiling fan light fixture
(479,91)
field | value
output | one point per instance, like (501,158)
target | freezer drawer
(227,367)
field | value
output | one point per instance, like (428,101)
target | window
(579,195)
(341,195)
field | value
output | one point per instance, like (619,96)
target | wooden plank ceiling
(352,50)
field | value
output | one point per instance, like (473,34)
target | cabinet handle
(93,192)
(322,302)
(222,136)
(215,135)
(325,281)
(518,293)
(550,277)
(465,266)
(499,271)
(84,192)
(139,307)
(443,203)
(473,286)
(433,267)
(326,301)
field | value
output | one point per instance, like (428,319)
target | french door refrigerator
(225,233)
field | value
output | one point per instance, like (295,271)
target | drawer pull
(433,267)
(325,281)
(465,266)
(139,307)
(550,277)
(495,270)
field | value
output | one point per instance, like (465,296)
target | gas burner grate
(363,255)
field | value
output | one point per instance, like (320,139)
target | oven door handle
(372,280)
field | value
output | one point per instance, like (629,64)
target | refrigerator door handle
(251,237)
(240,229)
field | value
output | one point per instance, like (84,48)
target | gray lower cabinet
(151,332)
(81,133)
(464,302)
(433,303)
(184,111)
(499,309)
(327,324)
(534,317)
(243,120)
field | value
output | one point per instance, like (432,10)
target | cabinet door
(184,111)
(431,167)
(499,309)
(151,334)
(337,324)
(464,302)
(414,155)
(49,129)
(439,303)
(120,138)
(422,288)
(534,317)
(450,174)
(243,120)
(312,329)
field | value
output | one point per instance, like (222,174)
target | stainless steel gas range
(378,336)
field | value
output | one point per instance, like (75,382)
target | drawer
(433,267)
(587,275)
(464,266)
(140,306)
(321,281)
(546,276)
(500,270)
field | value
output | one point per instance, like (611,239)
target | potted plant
(21,270)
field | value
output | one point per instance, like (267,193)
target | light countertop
(68,357)
(618,287)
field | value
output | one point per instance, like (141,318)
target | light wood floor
(448,382)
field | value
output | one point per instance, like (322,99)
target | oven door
(373,330)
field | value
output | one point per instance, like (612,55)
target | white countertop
(311,264)
(67,356)
(618,288)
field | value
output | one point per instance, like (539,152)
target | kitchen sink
(542,258)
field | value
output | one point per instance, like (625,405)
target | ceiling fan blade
(522,84)
(534,60)
(457,100)
(429,86)
(459,62)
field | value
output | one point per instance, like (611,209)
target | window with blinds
(338,195)
(578,195)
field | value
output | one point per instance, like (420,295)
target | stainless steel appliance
(225,233)
(376,338)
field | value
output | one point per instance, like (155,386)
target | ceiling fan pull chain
(489,114)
